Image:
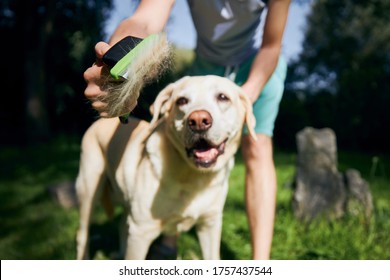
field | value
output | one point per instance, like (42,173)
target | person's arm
(268,55)
(150,17)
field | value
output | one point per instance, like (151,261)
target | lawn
(34,226)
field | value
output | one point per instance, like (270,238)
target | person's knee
(257,151)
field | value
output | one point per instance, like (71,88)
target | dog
(169,174)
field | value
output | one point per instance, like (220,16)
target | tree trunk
(35,37)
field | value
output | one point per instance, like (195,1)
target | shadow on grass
(33,228)
(104,239)
(104,243)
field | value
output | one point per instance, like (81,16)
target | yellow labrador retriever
(172,173)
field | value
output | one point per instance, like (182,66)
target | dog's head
(204,118)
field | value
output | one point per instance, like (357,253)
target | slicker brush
(133,63)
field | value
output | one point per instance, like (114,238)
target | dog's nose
(199,121)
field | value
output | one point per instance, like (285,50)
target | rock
(64,193)
(319,187)
(359,195)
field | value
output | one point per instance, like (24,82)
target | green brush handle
(118,51)
(120,56)
(118,59)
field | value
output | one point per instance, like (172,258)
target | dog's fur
(171,173)
(150,62)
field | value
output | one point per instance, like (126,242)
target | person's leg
(260,195)
(260,176)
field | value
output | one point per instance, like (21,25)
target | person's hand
(251,90)
(96,76)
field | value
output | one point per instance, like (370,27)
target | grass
(33,226)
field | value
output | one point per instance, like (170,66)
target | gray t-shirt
(228,31)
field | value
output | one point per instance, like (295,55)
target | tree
(346,58)
(48,47)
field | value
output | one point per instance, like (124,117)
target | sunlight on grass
(35,227)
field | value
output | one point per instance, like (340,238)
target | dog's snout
(199,121)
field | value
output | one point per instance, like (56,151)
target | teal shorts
(266,107)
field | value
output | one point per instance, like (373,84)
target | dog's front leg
(87,191)
(83,231)
(209,233)
(139,241)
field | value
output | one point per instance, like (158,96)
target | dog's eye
(222,97)
(181,101)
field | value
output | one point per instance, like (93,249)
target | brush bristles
(150,63)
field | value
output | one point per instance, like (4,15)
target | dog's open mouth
(204,153)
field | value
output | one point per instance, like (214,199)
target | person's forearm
(128,27)
(268,55)
(150,17)
(262,69)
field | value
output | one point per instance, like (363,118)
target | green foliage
(49,45)
(33,226)
(345,64)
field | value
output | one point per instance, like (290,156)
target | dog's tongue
(206,155)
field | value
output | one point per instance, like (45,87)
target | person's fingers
(100,49)
(99,105)
(92,74)
(95,76)
(103,114)
(92,91)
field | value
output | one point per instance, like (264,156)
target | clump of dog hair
(148,65)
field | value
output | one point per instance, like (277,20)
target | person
(229,44)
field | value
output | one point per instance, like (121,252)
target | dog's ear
(249,117)
(162,103)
